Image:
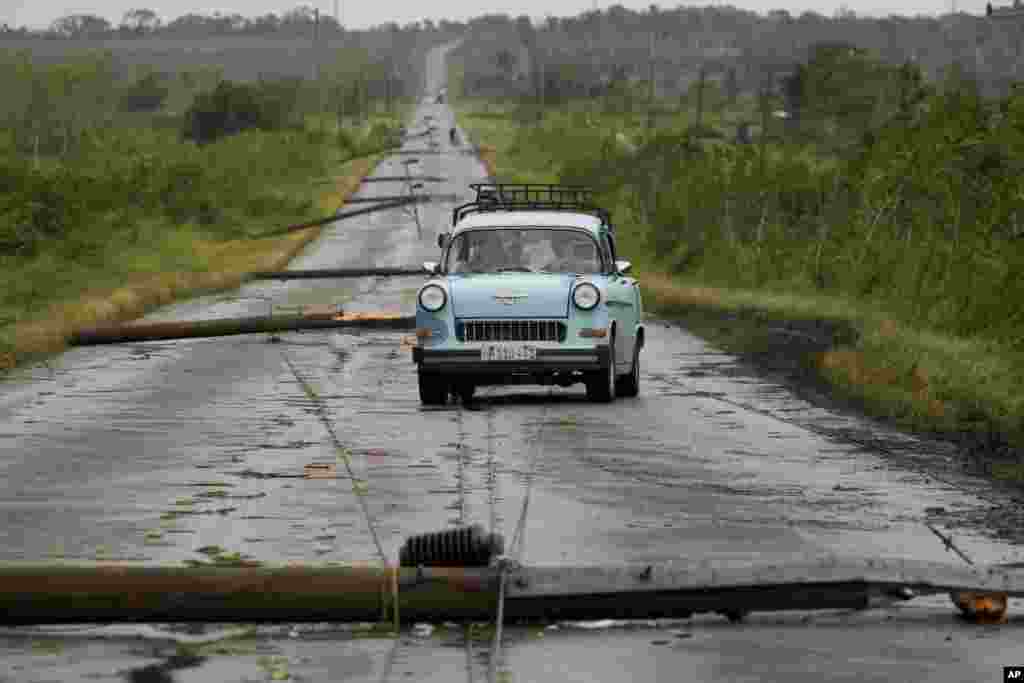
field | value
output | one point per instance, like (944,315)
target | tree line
(600,46)
(885,188)
(145,22)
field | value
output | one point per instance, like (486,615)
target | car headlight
(586,296)
(433,298)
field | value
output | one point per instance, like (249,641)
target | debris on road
(230,590)
(221,327)
(327,273)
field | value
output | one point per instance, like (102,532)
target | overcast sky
(39,13)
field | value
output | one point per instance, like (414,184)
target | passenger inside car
(572,254)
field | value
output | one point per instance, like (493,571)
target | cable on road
(390,663)
(492,673)
(342,453)
(947,541)
(492,475)
(518,544)
(467,632)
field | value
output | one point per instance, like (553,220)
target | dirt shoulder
(796,353)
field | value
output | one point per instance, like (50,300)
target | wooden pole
(223,327)
(650,89)
(333,273)
(543,87)
(335,217)
(764,128)
(55,594)
(700,99)
(60,592)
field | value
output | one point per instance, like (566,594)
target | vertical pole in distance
(543,80)
(316,68)
(650,89)
(764,124)
(700,98)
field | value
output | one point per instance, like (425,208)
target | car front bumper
(468,361)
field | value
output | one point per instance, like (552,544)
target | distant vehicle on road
(529,290)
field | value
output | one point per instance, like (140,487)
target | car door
(622,305)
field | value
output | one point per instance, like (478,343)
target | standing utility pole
(650,90)
(700,97)
(315,65)
(315,70)
(764,124)
(543,86)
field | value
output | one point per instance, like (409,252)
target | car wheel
(465,392)
(601,384)
(629,385)
(433,389)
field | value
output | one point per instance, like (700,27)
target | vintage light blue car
(528,291)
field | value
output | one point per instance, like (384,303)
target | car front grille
(511,330)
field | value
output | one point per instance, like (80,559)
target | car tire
(433,389)
(629,385)
(466,392)
(601,384)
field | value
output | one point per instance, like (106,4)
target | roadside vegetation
(120,192)
(863,195)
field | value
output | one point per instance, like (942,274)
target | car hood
(486,295)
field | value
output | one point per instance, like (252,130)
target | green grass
(897,365)
(118,258)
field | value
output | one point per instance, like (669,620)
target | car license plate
(508,352)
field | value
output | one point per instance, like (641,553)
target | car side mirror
(430,267)
(623,267)
(442,240)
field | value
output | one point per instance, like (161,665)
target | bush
(146,94)
(231,108)
(36,206)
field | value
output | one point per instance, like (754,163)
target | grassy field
(888,362)
(120,262)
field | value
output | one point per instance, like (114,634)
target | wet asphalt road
(151,451)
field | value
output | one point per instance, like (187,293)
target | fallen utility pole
(403,178)
(223,327)
(326,273)
(341,215)
(422,198)
(53,593)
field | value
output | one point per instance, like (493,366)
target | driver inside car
(486,254)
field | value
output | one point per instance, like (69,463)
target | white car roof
(515,219)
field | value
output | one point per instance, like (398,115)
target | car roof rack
(525,196)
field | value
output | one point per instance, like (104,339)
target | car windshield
(545,250)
